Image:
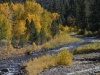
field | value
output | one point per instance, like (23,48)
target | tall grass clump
(39,64)
(10,51)
(94,47)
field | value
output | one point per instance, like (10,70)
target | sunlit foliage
(94,47)
(5,28)
(17,14)
(19,29)
(64,58)
(33,67)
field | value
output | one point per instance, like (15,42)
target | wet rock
(5,70)
(22,71)
(28,53)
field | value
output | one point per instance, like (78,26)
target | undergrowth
(37,65)
(95,47)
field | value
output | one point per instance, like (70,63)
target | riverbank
(83,64)
(55,43)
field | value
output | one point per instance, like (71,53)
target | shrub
(88,33)
(39,64)
(94,47)
(64,58)
(81,32)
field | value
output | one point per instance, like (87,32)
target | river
(13,64)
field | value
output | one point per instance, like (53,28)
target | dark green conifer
(42,36)
(54,28)
(33,33)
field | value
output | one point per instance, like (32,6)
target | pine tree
(95,16)
(65,18)
(54,28)
(72,7)
(27,32)
(22,41)
(33,33)
(42,36)
(81,17)
(27,24)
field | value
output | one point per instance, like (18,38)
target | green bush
(88,33)
(81,32)
(98,32)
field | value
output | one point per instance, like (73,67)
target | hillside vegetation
(20,23)
(81,13)
(30,27)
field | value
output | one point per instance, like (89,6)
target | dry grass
(56,42)
(9,51)
(53,43)
(88,48)
(39,64)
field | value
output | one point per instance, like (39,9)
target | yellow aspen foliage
(63,28)
(5,28)
(55,16)
(48,34)
(27,36)
(18,11)
(34,45)
(66,28)
(5,10)
(19,29)
(10,47)
(34,67)
(64,58)
(46,20)
(32,7)
(17,7)
(37,21)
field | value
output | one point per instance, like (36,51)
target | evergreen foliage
(54,28)
(42,36)
(95,16)
(85,13)
(33,32)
